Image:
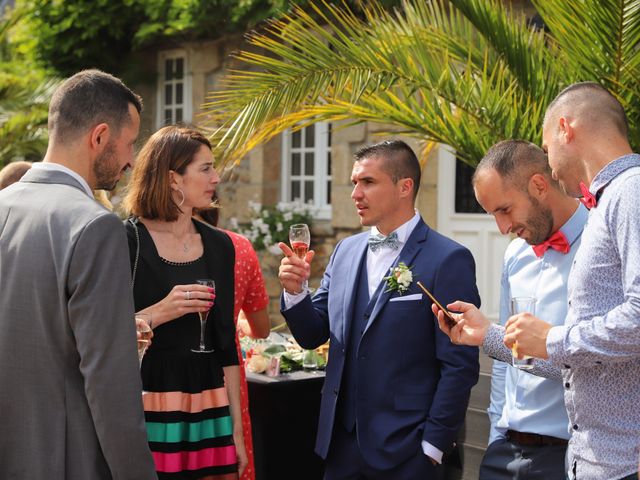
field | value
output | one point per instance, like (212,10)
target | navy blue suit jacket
(413,383)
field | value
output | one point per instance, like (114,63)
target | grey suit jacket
(70,390)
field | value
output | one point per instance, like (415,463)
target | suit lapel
(359,252)
(407,255)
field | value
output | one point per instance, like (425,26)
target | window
(174,89)
(465,197)
(306,167)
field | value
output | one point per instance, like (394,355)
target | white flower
(287,216)
(233,223)
(279,227)
(405,278)
(255,206)
(275,249)
(399,278)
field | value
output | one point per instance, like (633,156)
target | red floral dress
(250,296)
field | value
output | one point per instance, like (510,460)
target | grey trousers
(505,460)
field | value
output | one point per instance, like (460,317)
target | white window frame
(321,150)
(187,92)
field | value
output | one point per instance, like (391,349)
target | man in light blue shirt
(598,347)
(529,425)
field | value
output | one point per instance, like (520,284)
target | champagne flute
(203,318)
(143,326)
(300,239)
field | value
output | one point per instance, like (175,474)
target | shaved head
(516,161)
(592,104)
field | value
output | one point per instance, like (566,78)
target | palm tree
(24,99)
(466,73)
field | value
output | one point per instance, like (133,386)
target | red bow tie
(557,241)
(588,199)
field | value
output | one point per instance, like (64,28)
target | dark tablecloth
(284,417)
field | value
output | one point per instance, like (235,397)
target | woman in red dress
(250,297)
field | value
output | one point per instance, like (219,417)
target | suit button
(343,351)
(567,366)
(367,315)
(567,385)
(363,357)
(575,427)
(335,391)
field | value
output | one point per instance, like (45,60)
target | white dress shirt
(50,166)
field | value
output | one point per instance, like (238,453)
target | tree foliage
(71,35)
(24,99)
(466,73)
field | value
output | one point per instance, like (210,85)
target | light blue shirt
(599,345)
(519,400)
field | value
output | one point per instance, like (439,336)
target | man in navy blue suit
(396,389)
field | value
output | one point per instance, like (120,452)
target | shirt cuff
(291,300)
(555,342)
(493,344)
(431,451)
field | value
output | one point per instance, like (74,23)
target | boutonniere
(399,278)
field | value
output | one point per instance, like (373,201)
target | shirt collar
(404,230)
(50,166)
(573,227)
(612,170)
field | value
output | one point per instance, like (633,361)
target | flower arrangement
(269,225)
(399,279)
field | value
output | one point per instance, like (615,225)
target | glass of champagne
(203,318)
(143,327)
(522,305)
(300,239)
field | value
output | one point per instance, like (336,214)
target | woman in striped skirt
(191,398)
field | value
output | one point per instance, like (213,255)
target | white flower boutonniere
(399,278)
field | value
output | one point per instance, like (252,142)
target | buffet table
(284,417)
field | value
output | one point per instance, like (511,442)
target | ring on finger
(187,295)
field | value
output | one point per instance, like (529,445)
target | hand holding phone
(451,322)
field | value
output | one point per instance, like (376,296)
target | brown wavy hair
(149,192)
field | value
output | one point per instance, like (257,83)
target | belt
(533,439)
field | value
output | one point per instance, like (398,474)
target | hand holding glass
(522,305)
(143,328)
(203,318)
(300,239)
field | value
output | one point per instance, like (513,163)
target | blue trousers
(345,462)
(505,460)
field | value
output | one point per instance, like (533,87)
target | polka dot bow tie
(378,241)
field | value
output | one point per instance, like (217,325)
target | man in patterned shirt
(529,425)
(598,347)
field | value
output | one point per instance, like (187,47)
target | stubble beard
(539,223)
(106,169)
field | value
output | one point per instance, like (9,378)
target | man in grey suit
(70,391)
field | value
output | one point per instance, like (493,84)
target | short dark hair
(86,99)
(149,192)
(596,101)
(516,161)
(398,160)
(13,172)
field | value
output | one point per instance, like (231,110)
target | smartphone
(447,316)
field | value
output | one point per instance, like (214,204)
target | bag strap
(135,264)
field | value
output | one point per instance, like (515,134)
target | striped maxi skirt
(189,425)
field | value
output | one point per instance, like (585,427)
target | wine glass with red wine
(300,239)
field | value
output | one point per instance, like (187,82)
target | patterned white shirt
(598,348)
